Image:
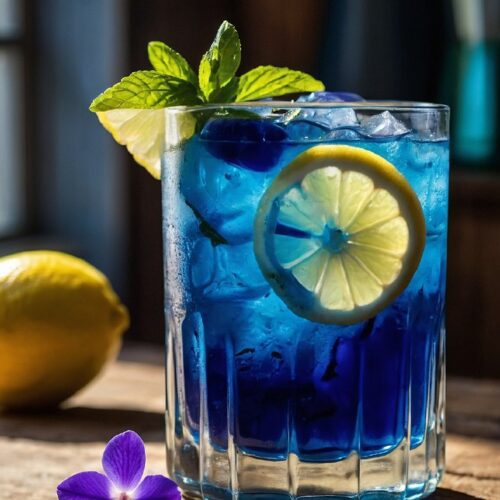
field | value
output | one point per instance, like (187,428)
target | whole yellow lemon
(60,321)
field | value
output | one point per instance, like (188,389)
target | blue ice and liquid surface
(292,385)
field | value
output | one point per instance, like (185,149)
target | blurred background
(65,184)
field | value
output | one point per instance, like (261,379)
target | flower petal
(85,485)
(157,488)
(124,459)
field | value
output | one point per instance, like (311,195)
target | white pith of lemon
(339,234)
(142,131)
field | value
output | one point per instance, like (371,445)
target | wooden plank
(474,407)
(39,451)
(472,467)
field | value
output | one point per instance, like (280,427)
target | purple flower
(123,462)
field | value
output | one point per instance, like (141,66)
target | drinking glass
(263,402)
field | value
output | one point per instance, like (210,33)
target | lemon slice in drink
(339,234)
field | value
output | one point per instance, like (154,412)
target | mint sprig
(269,81)
(169,62)
(219,64)
(174,83)
(146,90)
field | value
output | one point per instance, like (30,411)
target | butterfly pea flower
(123,461)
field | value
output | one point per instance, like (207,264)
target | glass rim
(375,105)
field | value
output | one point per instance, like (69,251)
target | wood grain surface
(39,451)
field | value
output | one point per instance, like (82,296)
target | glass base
(402,474)
(405,472)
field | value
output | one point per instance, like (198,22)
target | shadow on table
(446,494)
(82,425)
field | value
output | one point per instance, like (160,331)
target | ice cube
(202,263)
(326,96)
(223,196)
(328,119)
(226,271)
(317,124)
(383,125)
(425,166)
(428,125)
(339,118)
(248,143)
(343,134)
(301,129)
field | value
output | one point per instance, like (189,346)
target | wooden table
(37,452)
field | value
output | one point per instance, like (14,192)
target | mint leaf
(226,93)
(169,62)
(146,90)
(174,83)
(206,229)
(220,63)
(269,81)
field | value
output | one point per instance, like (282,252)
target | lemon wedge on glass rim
(339,234)
(142,131)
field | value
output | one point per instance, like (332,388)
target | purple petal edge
(124,460)
(85,485)
(157,488)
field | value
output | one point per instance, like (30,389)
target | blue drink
(262,401)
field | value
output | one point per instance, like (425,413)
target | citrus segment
(141,131)
(390,236)
(297,212)
(339,234)
(290,252)
(334,291)
(310,271)
(355,192)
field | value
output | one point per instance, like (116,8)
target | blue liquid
(278,383)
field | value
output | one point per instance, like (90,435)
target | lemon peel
(60,321)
